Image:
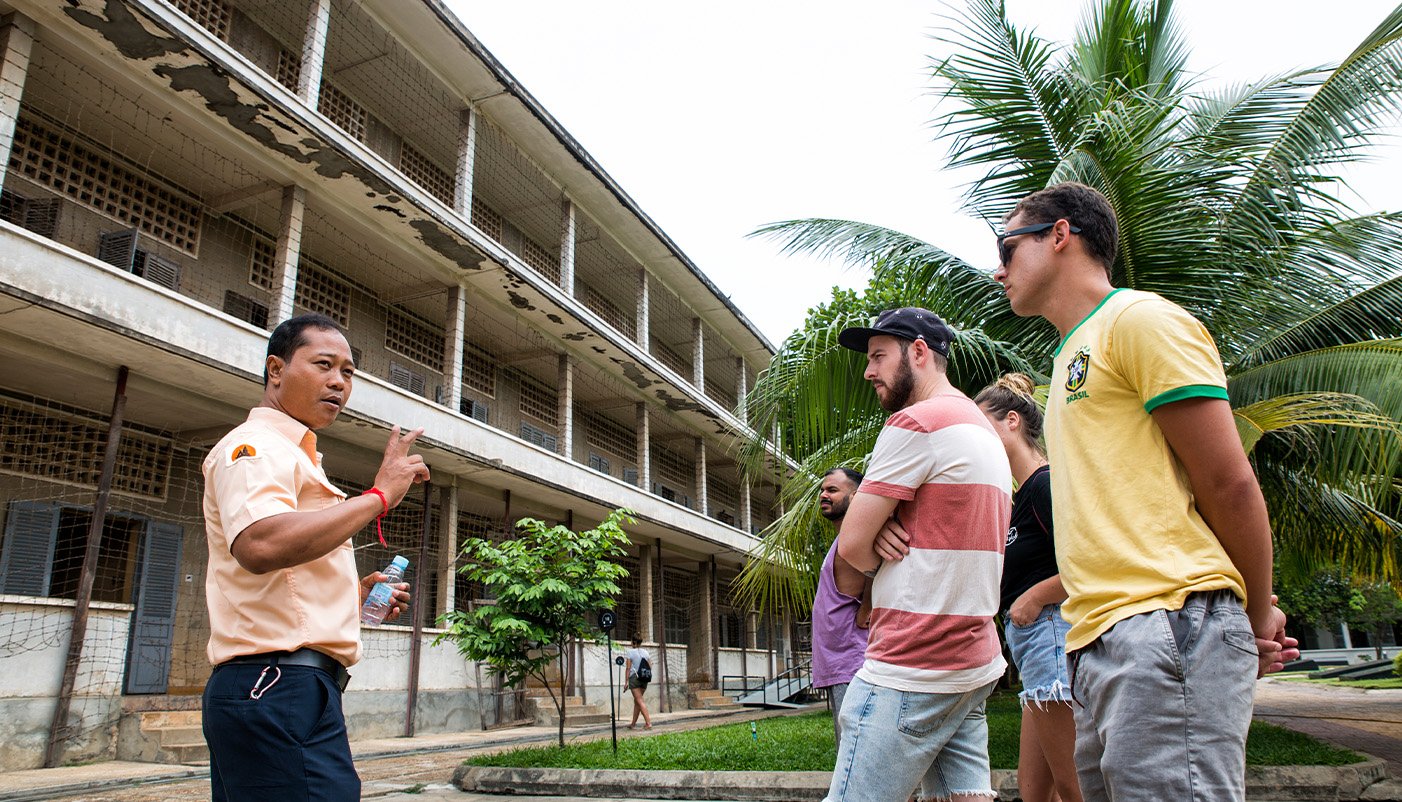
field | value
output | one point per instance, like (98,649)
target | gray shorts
(1163,702)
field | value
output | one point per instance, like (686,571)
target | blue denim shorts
(1039,652)
(895,742)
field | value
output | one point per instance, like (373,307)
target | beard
(836,510)
(899,390)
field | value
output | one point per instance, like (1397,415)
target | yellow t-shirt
(1129,538)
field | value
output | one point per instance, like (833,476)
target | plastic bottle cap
(399,561)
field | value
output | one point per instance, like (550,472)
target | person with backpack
(639,675)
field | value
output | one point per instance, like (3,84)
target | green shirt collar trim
(1062,344)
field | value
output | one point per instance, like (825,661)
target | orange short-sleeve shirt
(267,466)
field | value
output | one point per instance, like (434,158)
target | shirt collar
(287,426)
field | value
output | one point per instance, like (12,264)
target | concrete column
(568,224)
(746,516)
(643,278)
(467,158)
(314,51)
(16,43)
(751,630)
(647,556)
(698,354)
(448,538)
(289,251)
(701,505)
(644,447)
(564,418)
(702,644)
(742,389)
(453,346)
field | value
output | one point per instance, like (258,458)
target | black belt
(301,657)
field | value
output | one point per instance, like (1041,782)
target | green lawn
(805,743)
(1369,684)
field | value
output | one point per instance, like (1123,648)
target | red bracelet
(379,527)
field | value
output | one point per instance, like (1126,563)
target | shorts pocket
(1241,641)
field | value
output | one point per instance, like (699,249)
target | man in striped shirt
(935,504)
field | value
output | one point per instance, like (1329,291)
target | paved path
(396,769)
(1366,720)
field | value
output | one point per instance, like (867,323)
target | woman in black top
(1031,599)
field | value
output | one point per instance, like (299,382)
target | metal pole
(414,645)
(662,627)
(57,727)
(745,650)
(613,710)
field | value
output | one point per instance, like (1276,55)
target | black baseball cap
(909,323)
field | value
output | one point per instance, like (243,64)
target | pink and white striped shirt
(932,619)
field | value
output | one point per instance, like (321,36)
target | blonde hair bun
(1019,383)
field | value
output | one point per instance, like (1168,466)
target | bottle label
(380,594)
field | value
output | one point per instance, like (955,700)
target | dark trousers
(287,745)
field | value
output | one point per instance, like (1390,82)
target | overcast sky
(720,117)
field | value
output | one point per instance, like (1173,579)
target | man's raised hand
(399,469)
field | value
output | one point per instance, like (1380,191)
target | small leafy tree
(547,582)
(1375,607)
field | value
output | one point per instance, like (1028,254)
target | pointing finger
(393,438)
(409,438)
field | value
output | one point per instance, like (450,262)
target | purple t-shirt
(839,645)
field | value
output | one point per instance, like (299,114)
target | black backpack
(644,673)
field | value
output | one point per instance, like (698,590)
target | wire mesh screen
(606,278)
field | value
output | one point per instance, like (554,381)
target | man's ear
(274,366)
(919,352)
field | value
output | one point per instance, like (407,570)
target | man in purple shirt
(843,603)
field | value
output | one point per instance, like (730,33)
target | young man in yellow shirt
(1163,540)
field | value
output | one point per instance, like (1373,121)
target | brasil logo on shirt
(1076,373)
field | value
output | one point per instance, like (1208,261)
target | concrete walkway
(399,769)
(1364,720)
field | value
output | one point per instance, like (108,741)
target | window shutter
(30,534)
(246,309)
(118,248)
(41,216)
(153,623)
(162,271)
(407,379)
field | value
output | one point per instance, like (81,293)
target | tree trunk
(561,705)
(1378,641)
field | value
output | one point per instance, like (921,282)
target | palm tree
(1228,203)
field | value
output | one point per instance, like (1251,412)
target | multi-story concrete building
(180,176)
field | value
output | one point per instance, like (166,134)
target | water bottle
(381,598)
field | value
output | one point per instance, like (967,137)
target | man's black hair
(855,477)
(291,334)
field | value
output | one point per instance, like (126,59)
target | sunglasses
(1005,252)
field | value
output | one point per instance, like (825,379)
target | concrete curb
(1276,783)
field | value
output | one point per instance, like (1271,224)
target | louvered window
(599,463)
(538,436)
(403,377)
(474,409)
(123,249)
(39,215)
(410,337)
(246,309)
(59,161)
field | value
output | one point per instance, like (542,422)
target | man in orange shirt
(281,584)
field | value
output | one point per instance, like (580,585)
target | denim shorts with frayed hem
(894,742)
(1039,652)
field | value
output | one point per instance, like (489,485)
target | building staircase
(541,707)
(782,689)
(166,736)
(708,699)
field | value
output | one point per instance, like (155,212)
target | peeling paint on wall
(123,29)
